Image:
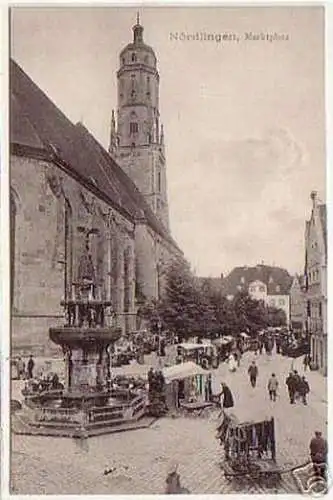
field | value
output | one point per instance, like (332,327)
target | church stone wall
(146,260)
(41,192)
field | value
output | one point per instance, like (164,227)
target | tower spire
(137,30)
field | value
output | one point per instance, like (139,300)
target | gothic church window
(68,248)
(127,283)
(13,212)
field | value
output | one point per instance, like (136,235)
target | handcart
(249,449)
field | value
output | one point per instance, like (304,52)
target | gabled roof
(36,123)
(277,280)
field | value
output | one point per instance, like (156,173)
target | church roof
(277,280)
(37,125)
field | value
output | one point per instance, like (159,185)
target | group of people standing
(297,386)
(25,371)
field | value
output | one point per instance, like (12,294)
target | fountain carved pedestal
(87,405)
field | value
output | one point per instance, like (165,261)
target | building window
(134,128)
(123,60)
(133,57)
(146,59)
(278,288)
(159,182)
(320,312)
(309,309)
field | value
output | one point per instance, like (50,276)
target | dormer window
(133,57)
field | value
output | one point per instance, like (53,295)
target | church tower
(137,140)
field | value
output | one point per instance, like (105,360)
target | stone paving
(140,458)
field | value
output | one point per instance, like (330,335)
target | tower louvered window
(134,128)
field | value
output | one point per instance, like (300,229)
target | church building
(73,202)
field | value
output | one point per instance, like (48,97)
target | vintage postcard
(168,250)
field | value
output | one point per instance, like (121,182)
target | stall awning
(132,370)
(224,340)
(250,414)
(182,371)
(190,347)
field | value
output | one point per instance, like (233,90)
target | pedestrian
(173,484)
(208,388)
(318,452)
(232,364)
(30,367)
(261,346)
(297,379)
(303,389)
(226,402)
(290,382)
(272,387)
(226,397)
(253,373)
(20,368)
(306,361)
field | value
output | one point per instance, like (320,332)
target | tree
(276,317)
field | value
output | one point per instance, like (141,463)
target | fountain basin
(73,336)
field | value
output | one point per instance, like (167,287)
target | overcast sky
(243,120)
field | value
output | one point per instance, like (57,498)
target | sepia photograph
(168,250)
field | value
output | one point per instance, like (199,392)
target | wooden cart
(250,449)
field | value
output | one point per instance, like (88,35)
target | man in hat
(318,453)
(253,373)
(30,367)
(303,389)
(226,397)
(173,486)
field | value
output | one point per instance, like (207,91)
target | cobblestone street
(42,465)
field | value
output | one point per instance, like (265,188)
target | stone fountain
(87,405)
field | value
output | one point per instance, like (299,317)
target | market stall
(224,346)
(249,444)
(185,384)
(204,354)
